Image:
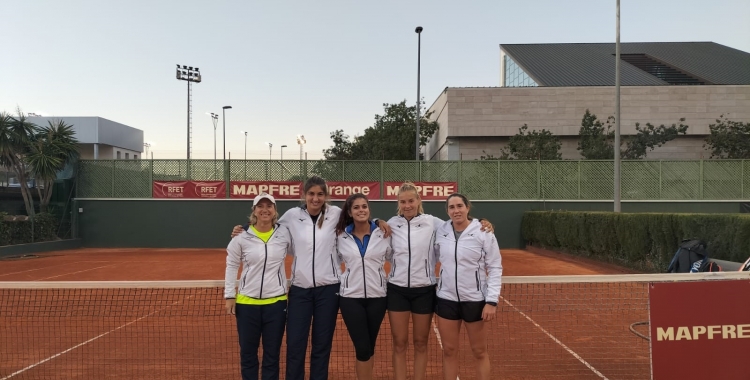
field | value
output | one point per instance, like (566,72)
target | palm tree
(15,136)
(49,151)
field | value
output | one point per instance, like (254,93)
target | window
(127,155)
(118,154)
(135,156)
(515,76)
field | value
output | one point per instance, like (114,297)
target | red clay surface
(543,331)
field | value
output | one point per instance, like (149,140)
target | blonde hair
(254,219)
(409,186)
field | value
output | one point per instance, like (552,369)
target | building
(551,86)
(101,139)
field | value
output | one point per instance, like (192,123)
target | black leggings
(363,317)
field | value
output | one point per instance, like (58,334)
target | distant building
(100,139)
(550,86)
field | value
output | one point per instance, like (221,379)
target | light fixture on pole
(616,197)
(245,133)
(419,56)
(190,75)
(269,149)
(215,119)
(147,145)
(282,152)
(301,141)
(224,132)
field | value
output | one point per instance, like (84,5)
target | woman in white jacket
(260,302)
(411,283)
(469,286)
(363,248)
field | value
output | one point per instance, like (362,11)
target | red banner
(700,330)
(293,189)
(427,190)
(189,189)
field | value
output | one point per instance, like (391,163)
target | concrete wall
(116,223)
(500,111)
(93,130)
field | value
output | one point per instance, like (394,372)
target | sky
(297,67)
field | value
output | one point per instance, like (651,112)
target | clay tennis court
(543,330)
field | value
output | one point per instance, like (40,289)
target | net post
(701,179)
(579,179)
(538,179)
(114,163)
(227,177)
(498,179)
(382,184)
(151,176)
(742,176)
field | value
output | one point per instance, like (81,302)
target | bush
(643,241)
(19,232)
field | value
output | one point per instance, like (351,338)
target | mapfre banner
(189,189)
(700,330)
(427,190)
(293,190)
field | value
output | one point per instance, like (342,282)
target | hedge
(19,232)
(643,241)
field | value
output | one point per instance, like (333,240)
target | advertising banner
(293,190)
(427,190)
(700,329)
(189,189)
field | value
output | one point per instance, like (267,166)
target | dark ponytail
(345,219)
(317,181)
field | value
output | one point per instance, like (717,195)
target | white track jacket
(364,276)
(470,267)
(315,259)
(263,272)
(413,264)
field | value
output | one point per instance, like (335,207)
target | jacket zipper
(265,261)
(476,274)
(426,272)
(440,285)
(381,277)
(348,273)
(408,244)
(313,255)
(458,297)
(333,267)
(364,276)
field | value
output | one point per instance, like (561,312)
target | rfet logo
(427,190)
(213,189)
(189,189)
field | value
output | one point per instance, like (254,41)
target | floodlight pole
(617,206)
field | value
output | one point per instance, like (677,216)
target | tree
(392,136)
(50,149)
(597,139)
(534,145)
(15,135)
(729,139)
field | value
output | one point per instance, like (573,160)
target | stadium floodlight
(282,152)
(301,141)
(419,54)
(215,119)
(269,149)
(189,75)
(224,131)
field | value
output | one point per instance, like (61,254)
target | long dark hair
(345,219)
(317,181)
(463,199)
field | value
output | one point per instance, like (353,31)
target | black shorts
(417,300)
(469,311)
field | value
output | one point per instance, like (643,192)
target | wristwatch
(492,303)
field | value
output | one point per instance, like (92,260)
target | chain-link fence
(490,180)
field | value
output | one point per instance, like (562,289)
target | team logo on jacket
(445,235)
(302,219)
(399,226)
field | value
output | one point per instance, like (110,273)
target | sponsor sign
(427,190)
(189,189)
(700,330)
(337,190)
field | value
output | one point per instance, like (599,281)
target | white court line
(437,334)
(580,359)
(80,271)
(87,342)
(51,266)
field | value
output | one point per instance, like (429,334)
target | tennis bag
(692,257)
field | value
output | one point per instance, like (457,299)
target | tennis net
(548,327)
